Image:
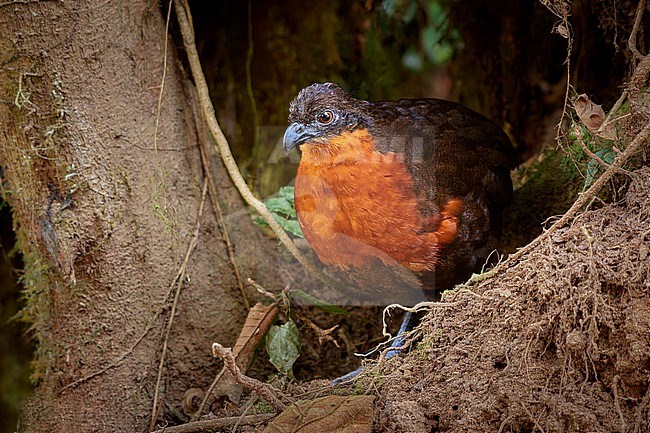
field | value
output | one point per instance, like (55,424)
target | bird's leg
(396,347)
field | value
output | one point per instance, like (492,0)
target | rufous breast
(355,204)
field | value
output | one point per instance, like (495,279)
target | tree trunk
(106,187)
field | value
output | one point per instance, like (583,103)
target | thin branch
(210,425)
(631,42)
(264,390)
(159,107)
(219,375)
(162,79)
(591,154)
(216,206)
(179,284)
(562,11)
(184,21)
(249,81)
(640,139)
(617,402)
(248,407)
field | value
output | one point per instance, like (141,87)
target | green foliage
(603,149)
(262,407)
(606,155)
(283,208)
(283,345)
(436,40)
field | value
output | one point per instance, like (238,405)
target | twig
(216,380)
(184,21)
(162,79)
(617,403)
(262,290)
(219,375)
(159,108)
(322,334)
(209,425)
(248,407)
(532,418)
(631,42)
(615,108)
(221,222)
(591,154)
(114,364)
(265,391)
(249,82)
(180,276)
(561,10)
(640,139)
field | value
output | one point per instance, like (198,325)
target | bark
(105,196)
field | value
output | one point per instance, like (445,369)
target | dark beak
(295,135)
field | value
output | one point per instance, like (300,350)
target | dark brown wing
(452,152)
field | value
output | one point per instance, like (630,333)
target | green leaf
(283,346)
(283,209)
(607,155)
(287,192)
(279,205)
(293,227)
(318,303)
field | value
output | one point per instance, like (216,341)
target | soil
(558,343)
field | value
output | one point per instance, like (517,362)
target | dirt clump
(559,342)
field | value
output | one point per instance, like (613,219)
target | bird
(399,199)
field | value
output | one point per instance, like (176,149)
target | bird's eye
(325,117)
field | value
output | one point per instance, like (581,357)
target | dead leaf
(331,414)
(259,320)
(561,30)
(591,115)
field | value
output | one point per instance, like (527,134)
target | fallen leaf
(331,414)
(591,115)
(259,320)
(561,30)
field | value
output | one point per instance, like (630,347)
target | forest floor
(560,342)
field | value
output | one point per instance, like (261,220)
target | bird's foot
(396,347)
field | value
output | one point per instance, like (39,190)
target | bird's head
(319,112)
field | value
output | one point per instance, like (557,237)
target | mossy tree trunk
(105,185)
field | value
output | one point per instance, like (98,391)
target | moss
(262,407)
(35,174)
(545,188)
(37,303)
